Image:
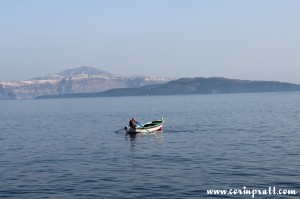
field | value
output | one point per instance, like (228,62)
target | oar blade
(124,128)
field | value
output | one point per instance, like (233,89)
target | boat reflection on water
(134,138)
(157,135)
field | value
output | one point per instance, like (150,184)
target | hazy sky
(254,39)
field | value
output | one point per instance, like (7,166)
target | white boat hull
(147,128)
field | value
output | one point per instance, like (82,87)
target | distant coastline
(92,82)
(186,86)
(79,80)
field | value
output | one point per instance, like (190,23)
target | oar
(121,129)
(142,126)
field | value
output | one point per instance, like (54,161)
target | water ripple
(67,148)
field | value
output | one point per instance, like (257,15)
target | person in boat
(132,123)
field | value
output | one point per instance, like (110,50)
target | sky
(250,39)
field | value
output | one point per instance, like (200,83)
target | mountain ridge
(84,70)
(78,80)
(92,82)
(197,85)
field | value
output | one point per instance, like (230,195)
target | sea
(77,148)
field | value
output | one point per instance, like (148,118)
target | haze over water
(67,148)
(252,40)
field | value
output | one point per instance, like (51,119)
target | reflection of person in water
(133,142)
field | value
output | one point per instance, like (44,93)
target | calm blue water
(67,148)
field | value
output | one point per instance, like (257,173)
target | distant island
(79,80)
(197,85)
(92,82)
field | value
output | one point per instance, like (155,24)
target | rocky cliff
(80,80)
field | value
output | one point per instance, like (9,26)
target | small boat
(156,125)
